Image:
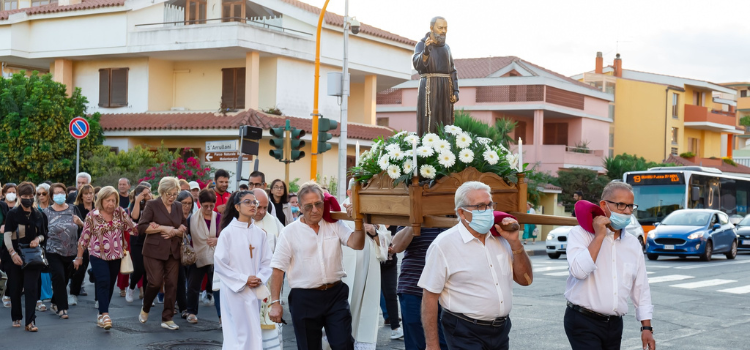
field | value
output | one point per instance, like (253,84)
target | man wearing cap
(195,189)
(471,273)
(606,267)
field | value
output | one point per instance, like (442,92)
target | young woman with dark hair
(141,194)
(280,199)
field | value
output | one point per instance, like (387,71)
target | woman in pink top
(104,236)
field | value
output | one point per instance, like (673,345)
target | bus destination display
(656,179)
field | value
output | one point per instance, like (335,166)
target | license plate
(669,247)
(746,242)
(562,246)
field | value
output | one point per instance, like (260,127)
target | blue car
(699,232)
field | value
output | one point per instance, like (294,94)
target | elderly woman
(103,235)
(61,245)
(25,226)
(142,194)
(42,198)
(204,230)
(164,224)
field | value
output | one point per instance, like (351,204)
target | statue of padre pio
(438,85)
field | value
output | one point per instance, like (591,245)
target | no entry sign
(79,128)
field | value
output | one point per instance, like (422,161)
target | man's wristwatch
(647,328)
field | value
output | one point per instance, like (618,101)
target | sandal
(40,306)
(53,307)
(192,319)
(17,324)
(31,327)
(63,314)
(184,314)
(105,322)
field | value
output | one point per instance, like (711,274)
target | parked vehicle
(743,231)
(699,232)
(557,239)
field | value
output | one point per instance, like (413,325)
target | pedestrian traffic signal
(277,141)
(297,144)
(325,125)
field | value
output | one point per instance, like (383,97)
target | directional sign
(79,128)
(226,157)
(221,146)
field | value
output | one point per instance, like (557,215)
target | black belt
(327,286)
(592,314)
(498,322)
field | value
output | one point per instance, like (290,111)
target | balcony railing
(223,19)
(701,114)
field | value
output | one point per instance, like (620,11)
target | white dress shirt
(619,271)
(311,260)
(472,278)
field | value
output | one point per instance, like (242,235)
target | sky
(706,40)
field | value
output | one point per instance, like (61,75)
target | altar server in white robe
(243,262)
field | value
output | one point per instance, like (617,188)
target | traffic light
(325,125)
(277,141)
(297,144)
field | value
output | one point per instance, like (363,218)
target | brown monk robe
(438,86)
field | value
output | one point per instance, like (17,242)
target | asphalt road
(698,305)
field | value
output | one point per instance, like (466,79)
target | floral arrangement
(190,170)
(451,150)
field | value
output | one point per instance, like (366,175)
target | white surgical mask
(11,197)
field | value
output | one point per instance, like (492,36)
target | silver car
(557,239)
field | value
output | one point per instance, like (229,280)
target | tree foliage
(34,139)
(107,167)
(618,165)
(537,179)
(589,182)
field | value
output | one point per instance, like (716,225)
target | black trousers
(77,280)
(464,335)
(139,270)
(313,310)
(388,282)
(195,280)
(26,280)
(60,270)
(587,333)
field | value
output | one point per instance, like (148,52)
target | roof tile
(54,7)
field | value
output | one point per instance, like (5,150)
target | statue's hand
(454,98)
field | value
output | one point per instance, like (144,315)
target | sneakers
(72,300)
(6,301)
(160,298)
(211,301)
(143,316)
(170,325)
(204,299)
(397,333)
(129,295)
(83,292)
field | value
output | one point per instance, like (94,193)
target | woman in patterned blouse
(104,236)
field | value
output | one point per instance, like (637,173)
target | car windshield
(687,218)
(745,222)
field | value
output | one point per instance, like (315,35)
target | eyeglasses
(308,207)
(255,185)
(482,207)
(170,195)
(42,193)
(623,206)
(278,187)
(252,202)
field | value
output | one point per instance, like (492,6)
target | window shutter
(520,132)
(239,88)
(119,87)
(562,134)
(549,134)
(227,87)
(104,88)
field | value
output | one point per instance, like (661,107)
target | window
(743,93)
(693,146)
(699,98)
(675,134)
(383,121)
(675,102)
(556,134)
(36,3)
(233,11)
(674,151)
(113,87)
(9,5)
(611,140)
(723,218)
(233,88)
(612,112)
(195,12)
(520,131)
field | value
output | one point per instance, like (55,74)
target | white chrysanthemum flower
(365,156)
(384,162)
(452,129)
(397,155)
(447,159)
(392,147)
(441,146)
(491,157)
(411,139)
(409,154)
(483,141)
(394,171)
(400,133)
(427,171)
(463,140)
(513,161)
(429,139)
(466,156)
(408,167)
(503,148)
(425,151)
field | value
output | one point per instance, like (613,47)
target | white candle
(414,157)
(356,151)
(520,154)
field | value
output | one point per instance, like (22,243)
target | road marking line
(649,272)
(737,290)
(706,283)
(668,278)
(550,268)
(658,266)
(712,265)
(561,273)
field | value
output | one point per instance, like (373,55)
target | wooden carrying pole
(446,222)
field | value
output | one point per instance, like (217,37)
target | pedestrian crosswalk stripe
(550,268)
(737,290)
(650,272)
(560,273)
(658,266)
(712,264)
(706,283)
(668,278)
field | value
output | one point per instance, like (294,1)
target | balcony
(698,117)
(556,157)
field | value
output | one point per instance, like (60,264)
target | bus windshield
(655,202)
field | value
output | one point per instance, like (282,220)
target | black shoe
(387,322)
(83,292)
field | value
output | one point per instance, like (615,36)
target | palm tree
(500,132)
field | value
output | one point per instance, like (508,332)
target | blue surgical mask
(481,221)
(59,198)
(618,221)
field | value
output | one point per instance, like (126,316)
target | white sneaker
(397,333)
(72,300)
(96,304)
(129,295)
(170,325)
(204,299)
(212,301)
(6,301)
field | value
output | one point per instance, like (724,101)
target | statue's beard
(439,39)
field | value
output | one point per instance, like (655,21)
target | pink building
(563,123)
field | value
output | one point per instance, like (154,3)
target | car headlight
(696,235)
(551,236)
(651,234)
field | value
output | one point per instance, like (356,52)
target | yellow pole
(314,160)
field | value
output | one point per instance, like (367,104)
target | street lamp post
(343,141)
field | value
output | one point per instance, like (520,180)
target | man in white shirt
(309,251)
(605,268)
(471,272)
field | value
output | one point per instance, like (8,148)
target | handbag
(32,257)
(188,252)
(126,264)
